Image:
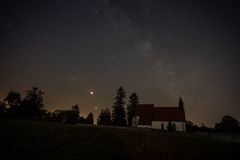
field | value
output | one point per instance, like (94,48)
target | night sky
(160,49)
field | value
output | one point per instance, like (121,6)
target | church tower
(181,104)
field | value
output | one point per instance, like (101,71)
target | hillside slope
(21,139)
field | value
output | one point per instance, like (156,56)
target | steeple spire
(181,104)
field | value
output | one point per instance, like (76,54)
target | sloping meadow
(22,139)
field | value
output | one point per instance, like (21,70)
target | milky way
(157,48)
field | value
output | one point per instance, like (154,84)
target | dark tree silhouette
(32,105)
(3,109)
(105,117)
(170,127)
(118,111)
(204,128)
(101,118)
(228,124)
(76,110)
(133,103)
(190,127)
(82,120)
(13,100)
(89,119)
(173,127)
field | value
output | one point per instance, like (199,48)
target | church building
(149,116)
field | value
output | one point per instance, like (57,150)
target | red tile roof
(145,111)
(149,113)
(168,114)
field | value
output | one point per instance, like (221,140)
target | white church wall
(180,126)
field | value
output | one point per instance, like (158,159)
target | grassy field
(21,139)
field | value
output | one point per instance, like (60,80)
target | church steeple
(181,104)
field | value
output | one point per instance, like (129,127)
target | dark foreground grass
(42,140)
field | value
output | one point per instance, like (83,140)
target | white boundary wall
(144,126)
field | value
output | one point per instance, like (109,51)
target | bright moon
(91,92)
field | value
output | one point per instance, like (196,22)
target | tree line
(118,116)
(228,124)
(32,107)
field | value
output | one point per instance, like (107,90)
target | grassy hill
(21,139)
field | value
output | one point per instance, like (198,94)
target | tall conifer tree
(118,111)
(133,103)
